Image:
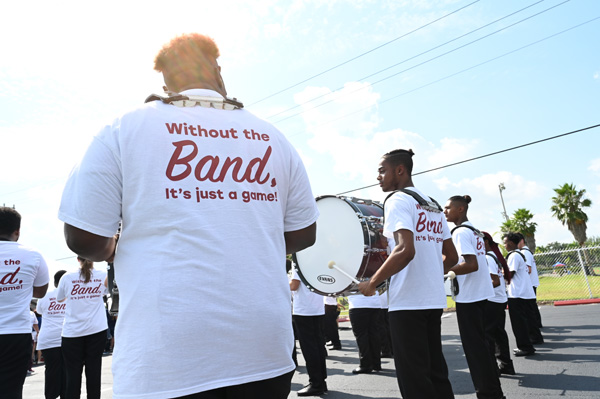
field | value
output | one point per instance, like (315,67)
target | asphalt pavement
(567,365)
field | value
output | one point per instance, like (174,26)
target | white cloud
(272,30)
(595,166)
(452,150)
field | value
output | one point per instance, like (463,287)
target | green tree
(568,209)
(520,222)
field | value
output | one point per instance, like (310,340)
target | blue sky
(69,68)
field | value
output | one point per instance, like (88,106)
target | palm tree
(568,209)
(520,222)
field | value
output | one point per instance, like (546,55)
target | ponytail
(85,272)
(487,237)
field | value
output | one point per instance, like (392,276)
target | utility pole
(501,187)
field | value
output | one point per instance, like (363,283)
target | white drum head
(340,238)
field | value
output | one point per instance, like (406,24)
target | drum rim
(366,255)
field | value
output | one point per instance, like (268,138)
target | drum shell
(349,233)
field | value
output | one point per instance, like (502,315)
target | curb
(576,302)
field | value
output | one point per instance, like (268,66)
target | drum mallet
(332,265)
(451,275)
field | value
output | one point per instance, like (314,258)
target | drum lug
(374,250)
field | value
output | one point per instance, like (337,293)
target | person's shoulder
(27,249)
(465,229)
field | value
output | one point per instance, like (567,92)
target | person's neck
(202,85)
(461,220)
(404,184)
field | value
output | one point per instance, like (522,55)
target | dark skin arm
(495,280)
(401,255)
(39,292)
(300,239)
(470,265)
(88,245)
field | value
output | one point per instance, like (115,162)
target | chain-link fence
(569,274)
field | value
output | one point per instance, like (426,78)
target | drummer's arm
(300,239)
(401,255)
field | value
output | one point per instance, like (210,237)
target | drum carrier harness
(431,205)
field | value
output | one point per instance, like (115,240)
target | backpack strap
(477,232)
(431,205)
(518,252)
(528,250)
(495,259)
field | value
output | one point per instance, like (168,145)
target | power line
(452,75)
(487,155)
(430,59)
(361,55)
(68,257)
(408,59)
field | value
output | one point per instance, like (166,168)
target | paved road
(567,365)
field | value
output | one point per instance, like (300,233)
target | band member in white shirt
(475,288)
(416,265)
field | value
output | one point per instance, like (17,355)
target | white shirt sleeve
(492,265)
(301,210)
(42,278)
(463,241)
(398,215)
(92,196)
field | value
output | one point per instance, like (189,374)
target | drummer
(423,251)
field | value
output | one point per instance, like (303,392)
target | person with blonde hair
(234,199)
(84,328)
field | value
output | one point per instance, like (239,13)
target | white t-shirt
(496,269)
(21,269)
(420,285)
(53,315)
(530,261)
(475,286)
(359,301)
(34,322)
(520,284)
(85,313)
(191,233)
(330,300)
(306,302)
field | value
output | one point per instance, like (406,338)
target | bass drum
(349,233)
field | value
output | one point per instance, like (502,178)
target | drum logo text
(325,279)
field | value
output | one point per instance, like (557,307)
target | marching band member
(210,197)
(496,306)
(84,328)
(423,251)
(49,342)
(475,287)
(520,293)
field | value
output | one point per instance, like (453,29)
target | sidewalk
(567,365)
